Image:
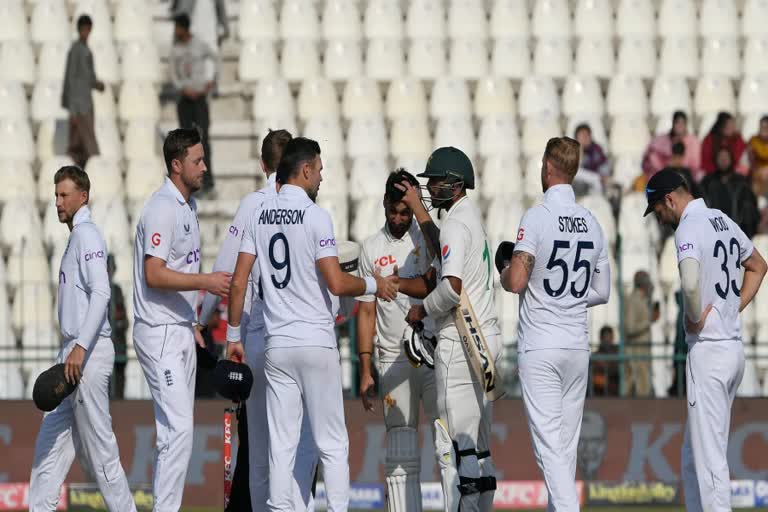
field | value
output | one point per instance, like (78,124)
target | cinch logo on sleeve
(685,247)
(520,234)
(328,242)
(446,252)
(156,239)
(93,255)
(233,230)
(193,256)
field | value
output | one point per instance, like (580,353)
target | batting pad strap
(442,299)
(487,483)
(469,485)
(483,455)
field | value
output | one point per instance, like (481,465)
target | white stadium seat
(52,61)
(368,218)
(637,57)
(105,61)
(140,62)
(384,59)
(104,104)
(629,136)
(343,60)
(582,96)
(668,95)
(258,60)
(494,96)
(721,56)
(341,20)
(537,131)
(593,18)
(467,20)
(142,178)
(719,18)
(257,20)
(532,188)
(106,179)
(498,136)
(327,132)
(756,55)
(425,19)
(457,132)
(595,123)
(595,56)
(46,102)
(318,98)
(13,101)
(601,209)
(511,58)
(13,21)
(538,97)
(551,18)
(753,95)
(753,19)
(502,177)
(627,96)
(27,263)
(367,177)
(20,222)
(410,136)
(383,19)
(713,94)
(49,21)
(112,219)
(626,168)
(503,219)
(636,18)
(468,59)
(55,234)
(17,62)
(406,98)
(299,13)
(133,22)
(339,210)
(450,98)
(272,98)
(138,101)
(98,10)
(300,60)
(677,18)
(361,98)
(18,181)
(16,141)
(679,57)
(426,59)
(509,19)
(110,145)
(367,137)
(553,57)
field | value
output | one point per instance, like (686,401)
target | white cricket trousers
(306,379)
(554,384)
(168,358)
(82,422)
(258,436)
(714,372)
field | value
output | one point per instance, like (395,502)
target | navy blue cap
(661,184)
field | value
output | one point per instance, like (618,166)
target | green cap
(450,162)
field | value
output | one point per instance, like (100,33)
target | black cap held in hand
(51,388)
(661,184)
(233,380)
(504,255)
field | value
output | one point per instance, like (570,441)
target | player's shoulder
(160,202)
(374,241)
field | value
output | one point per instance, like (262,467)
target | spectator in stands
(758,146)
(660,151)
(118,319)
(723,134)
(605,373)
(639,314)
(593,160)
(731,193)
(677,164)
(192,70)
(79,79)
(208,19)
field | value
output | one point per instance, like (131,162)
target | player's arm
(515,276)
(754,272)
(412,199)
(690,278)
(456,238)
(237,289)
(600,285)
(343,284)
(420,286)
(366,328)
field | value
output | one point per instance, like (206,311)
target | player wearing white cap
(166,278)
(398,247)
(712,251)
(560,268)
(82,420)
(253,342)
(301,280)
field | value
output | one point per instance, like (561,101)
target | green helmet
(448,162)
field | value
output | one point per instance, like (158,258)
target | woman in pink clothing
(723,134)
(659,151)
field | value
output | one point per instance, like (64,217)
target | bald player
(166,278)
(398,247)
(82,420)
(252,333)
(560,268)
(712,252)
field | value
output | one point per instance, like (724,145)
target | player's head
(184,158)
(560,162)
(399,216)
(272,148)
(668,194)
(181,24)
(450,175)
(301,165)
(72,190)
(84,26)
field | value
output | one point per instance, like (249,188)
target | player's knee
(402,457)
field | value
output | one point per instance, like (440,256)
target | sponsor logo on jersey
(62,277)
(168,377)
(446,252)
(193,256)
(685,247)
(94,255)
(156,239)
(520,234)
(186,228)
(233,230)
(328,242)
(385,260)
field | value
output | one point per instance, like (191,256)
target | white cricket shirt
(82,276)
(382,251)
(569,246)
(288,234)
(720,246)
(167,229)
(466,254)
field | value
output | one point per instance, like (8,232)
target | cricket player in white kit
(166,274)
(560,268)
(398,247)
(712,251)
(82,420)
(463,434)
(300,280)
(252,334)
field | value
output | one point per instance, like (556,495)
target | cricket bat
(227,453)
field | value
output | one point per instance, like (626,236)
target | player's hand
(416,314)
(218,283)
(235,352)
(73,366)
(412,197)
(386,287)
(695,328)
(198,330)
(366,390)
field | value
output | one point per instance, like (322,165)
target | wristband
(233,333)
(370,285)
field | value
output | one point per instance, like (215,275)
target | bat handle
(227,455)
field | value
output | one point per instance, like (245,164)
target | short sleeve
(527,239)
(159,223)
(454,243)
(364,269)
(746,247)
(322,236)
(248,241)
(686,244)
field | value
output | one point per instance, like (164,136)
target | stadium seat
(508,306)
(98,10)
(668,273)
(45,190)
(595,57)
(272,98)
(669,94)
(299,13)
(368,218)
(327,131)
(257,20)
(138,101)
(16,141)
(339,210)
(104,105)
(426,59)
(425,19)
(341,21)
(538,97)
(383,19)
(553,57)
(361,98)
(502,178)
(367,177)
(677,18)
(582,96)
(457,132)
(13,21)
(713,94)
(46,102)
(753,18)
(721,56)
(27,263)
(679,57)
(509,20)
(112,219)
(367,137)
(406,98)
(317,98)
(498,136)
(601,209)
(52,61)
(335,179)
(511,58)
(20,222)
(494,96)
(300,60)
(258,61)
(756,55)
(532,188)
(262,126)
(625,169)
(49,22)
(719,18)
(503,219)
(468,58)
(133,22)
(410,136)
(753,95)
(627,96)
(106,179)
(13,101)
(636,18)
(343,60)
(536,131)
(11,378)
(467,20)
(105,62)
(18,182)
(593,19)
(17,62)
(109,138)
(450,98)
(142,178)
(384,59)
(140,62)
(637,57)
(629,136)
(55,234)
(551,18)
